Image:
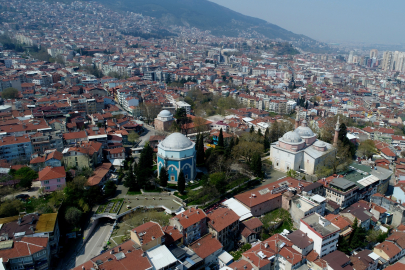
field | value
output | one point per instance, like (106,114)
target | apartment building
(324,234)
(192,224)
(341,191)
(12,148)
(224,225)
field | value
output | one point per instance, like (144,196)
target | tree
(10,93)
(130,180)
(229,147)
(218,180)
(73,215)
(10,208)
(292,173)
(367,148)
(343,245)
(252,129)
(246,150)
(109,188)
(358,236)
(163,177)
(25,175)
(256,165)
(133,137)
(200,150)
(221,139)
(181,182)
(259,132)
(200,124)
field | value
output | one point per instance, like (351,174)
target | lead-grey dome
(304,131)
(165,113)
(291,137)
(176,141)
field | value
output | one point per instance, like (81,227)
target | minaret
(335,139)
(297,118)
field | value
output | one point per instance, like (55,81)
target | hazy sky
(370,21)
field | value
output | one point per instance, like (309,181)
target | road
(93,246)
(33,191)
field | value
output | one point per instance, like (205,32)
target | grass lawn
(183,197)
(276,216)
(154,190)
(171,185)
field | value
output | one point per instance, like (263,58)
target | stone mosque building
(164,121)
(177,153)
(300,150)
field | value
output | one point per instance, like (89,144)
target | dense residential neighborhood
(128,143)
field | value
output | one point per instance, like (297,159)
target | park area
(121,232)
(110,207)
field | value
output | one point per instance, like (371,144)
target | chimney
(112,251)
(19,220)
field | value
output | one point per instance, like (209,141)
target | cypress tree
(181,182)
(237,141)
(252,129)
(163,177)
(221,139)
(259,132)
(256,165)
(200,150)
(228,149)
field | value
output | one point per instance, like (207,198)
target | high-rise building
(350,59)
(394,61)
(373,53)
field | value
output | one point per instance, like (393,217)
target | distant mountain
(204,15)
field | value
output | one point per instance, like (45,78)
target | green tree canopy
(73,215)
(10,93)
(133,137)
(163,177)
(181,182)
(109,189)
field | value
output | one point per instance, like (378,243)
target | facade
(302,206)
(177,153)
(324,234)
(12,148)
(52,178)
(26,253)
(184,105)
(147,235)
(269,197)
(250,230)
(300,150)
(341,191)
(164,120)
(192,224)
(224,225)
(85,154)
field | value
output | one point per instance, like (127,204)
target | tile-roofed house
(274,252)
(207,247)
(194,218)
(342,222)
(224,224)
(28,252)
(129,256)
(301,241)
(100,175)
(250,229)
(337,260)
(147,235)
(268,197)
(52,178)
(172,235)
(388,250)
(362,260)
(84,154)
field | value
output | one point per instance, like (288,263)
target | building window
(46,182)
(58,180)
(172,178)
(47,187)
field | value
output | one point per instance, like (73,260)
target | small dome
(304,131)
(165,113)
(319,144)
(291,137)
(176,141)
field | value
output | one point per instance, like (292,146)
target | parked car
(22,197)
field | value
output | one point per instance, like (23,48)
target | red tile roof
(49,173)
(205,246)
(190,217)
(24,247)
(148,232)
(221,218)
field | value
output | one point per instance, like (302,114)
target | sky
(368,21)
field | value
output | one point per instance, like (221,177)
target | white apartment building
(324,234)
(185,105)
